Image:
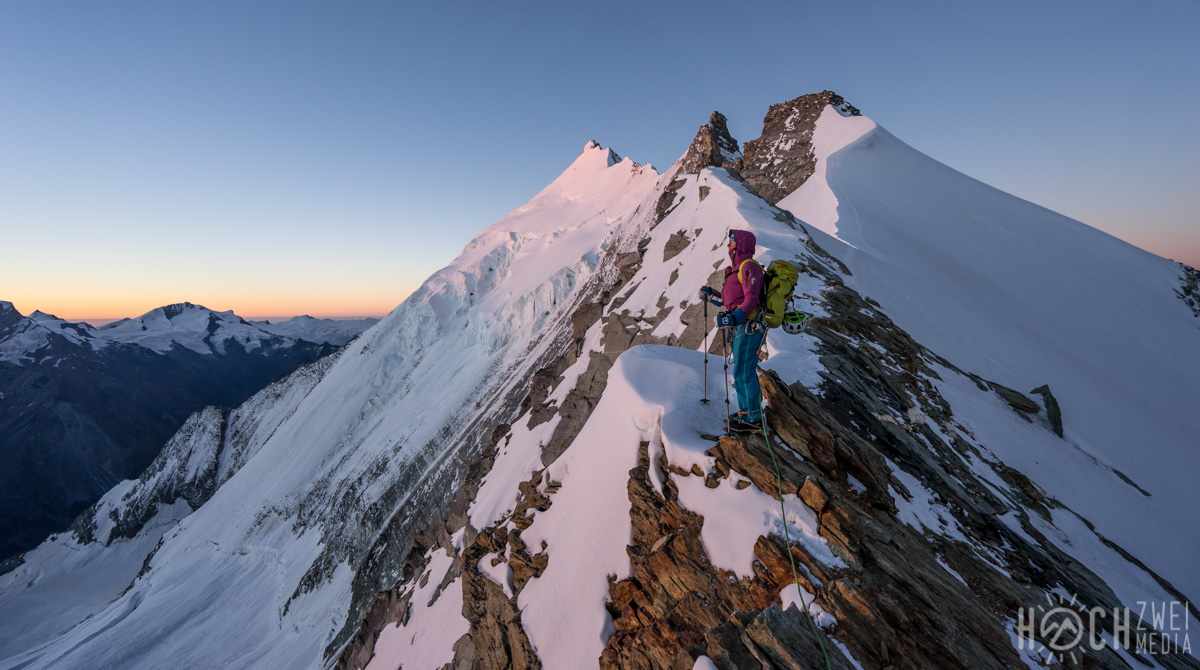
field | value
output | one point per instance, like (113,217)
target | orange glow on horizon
(105,308)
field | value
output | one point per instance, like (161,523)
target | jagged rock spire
(713,147)
(782,159)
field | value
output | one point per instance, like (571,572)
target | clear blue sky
(324,157)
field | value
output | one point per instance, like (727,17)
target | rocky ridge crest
(712,147)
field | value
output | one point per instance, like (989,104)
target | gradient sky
(278,158)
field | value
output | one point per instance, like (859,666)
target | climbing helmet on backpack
(794,322)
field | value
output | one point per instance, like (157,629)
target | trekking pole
(705,398)
(725,353)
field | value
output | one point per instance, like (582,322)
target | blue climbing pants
(745,370)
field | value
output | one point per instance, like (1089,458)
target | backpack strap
(743,265)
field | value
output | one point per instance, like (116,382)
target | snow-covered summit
(78,333)
(186,325)
(520,268)
(7,309)
(206,331)
(22,337)
(192,327)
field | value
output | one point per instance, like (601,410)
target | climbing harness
(786,536)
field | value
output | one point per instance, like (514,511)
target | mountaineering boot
(741,423)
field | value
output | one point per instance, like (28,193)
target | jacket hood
(744,249)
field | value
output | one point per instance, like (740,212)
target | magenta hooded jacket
(745,293)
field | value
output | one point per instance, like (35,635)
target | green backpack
(779,280)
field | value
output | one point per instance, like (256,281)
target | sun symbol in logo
(1061,627)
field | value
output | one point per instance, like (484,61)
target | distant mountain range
(82,408)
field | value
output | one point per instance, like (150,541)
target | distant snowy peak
(190,326)
(8,314)
(204,330)
(182,315)
(78,333)
(329,331)
(21,337)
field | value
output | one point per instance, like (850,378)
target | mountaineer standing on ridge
(740,298)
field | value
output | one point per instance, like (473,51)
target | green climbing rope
(786,536)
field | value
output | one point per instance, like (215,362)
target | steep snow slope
(260,575)
(1025,297)
(74,576)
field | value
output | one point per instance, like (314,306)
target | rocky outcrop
(496,639)
(1020,403)
(712,147)
(186,469)
(782,159)
(675,595)
(1189,289)
(1025,407)
(1053,412)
